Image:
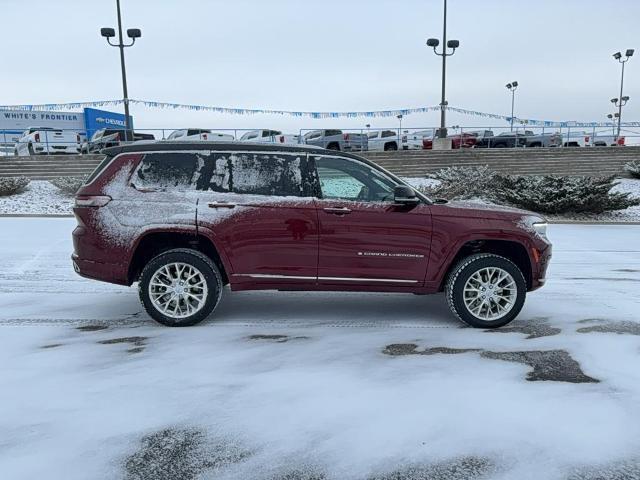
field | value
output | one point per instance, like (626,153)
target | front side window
(347,179)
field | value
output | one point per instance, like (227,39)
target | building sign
(95,119)
(14,122)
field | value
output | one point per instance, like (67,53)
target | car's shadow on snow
(333,308)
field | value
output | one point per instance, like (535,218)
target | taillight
(621,141)
(586,139)
(345,136)
(92,201)
(281,138)
(37,137)
(77,138)
(204,136)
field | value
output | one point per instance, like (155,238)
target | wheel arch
(511,249)
(154,242)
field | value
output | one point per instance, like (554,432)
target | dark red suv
(184,220)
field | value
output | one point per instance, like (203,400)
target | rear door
(259,207)
(365,239)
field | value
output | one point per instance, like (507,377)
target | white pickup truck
(585,139)
(269,136)
(384,140)
(199,135)
(47,140)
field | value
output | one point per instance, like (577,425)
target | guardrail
(379,138)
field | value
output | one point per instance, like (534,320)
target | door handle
(337,210)
(221,205)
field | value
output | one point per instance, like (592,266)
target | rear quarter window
(163,171)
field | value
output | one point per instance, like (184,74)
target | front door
(365,239)
(261,210)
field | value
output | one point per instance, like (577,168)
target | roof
(177,145)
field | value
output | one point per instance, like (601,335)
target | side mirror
(403,195)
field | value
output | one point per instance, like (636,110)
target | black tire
(390,146)
(333,146)
(204,264)
(464,269)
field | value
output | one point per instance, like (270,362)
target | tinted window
(372,135)
(388,133)
(347,179)
(331,133)
(311,135)
(165,171)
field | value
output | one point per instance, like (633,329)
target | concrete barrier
(414,163)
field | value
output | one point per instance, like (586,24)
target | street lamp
(619,102)
(399,117)
(623,100)
(451,44)
(612,117)
(512,88)
(133,34)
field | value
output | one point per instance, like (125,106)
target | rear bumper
(105,272)
(51,148)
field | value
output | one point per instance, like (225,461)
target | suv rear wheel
(486,290)
(180,287)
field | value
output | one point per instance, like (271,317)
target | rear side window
(164,171)
(331,133)
(388,133)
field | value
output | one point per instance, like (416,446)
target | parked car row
(46,140)
(526,138)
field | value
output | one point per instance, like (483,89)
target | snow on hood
(481,208)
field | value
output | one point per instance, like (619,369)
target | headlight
(541,229)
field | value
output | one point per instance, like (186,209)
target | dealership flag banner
(307,114)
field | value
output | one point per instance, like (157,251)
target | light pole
(619,102)
(622,100)
(452,44)
(512,88)
(399,117)
(612,116)
(132,33)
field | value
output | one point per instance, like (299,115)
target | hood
(477,209)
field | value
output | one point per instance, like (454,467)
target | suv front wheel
(486,290)
(180,287)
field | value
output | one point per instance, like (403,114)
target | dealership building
(13,123)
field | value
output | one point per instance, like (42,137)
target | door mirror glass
(403,195)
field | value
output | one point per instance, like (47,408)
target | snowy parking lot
(319,385)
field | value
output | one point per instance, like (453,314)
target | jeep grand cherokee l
(184,220)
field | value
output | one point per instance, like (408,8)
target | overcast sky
(325,55)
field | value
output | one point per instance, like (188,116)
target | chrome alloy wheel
(490,293)
(178,290)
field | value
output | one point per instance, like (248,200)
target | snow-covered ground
(39,198)
(42,198)
(319,385)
